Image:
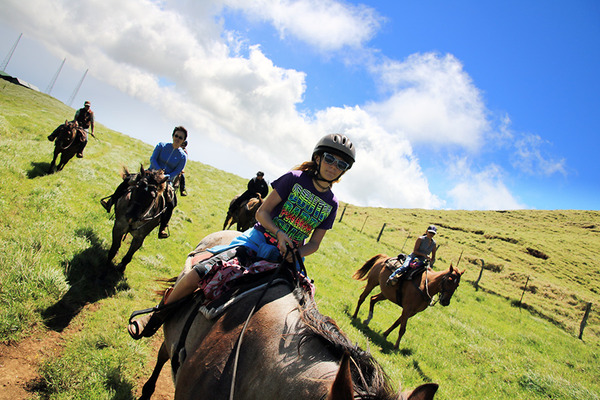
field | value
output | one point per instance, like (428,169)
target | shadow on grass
(90,278)
(115,383)
(39,169)
(376,338)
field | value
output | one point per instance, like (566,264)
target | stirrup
(145,326)
(154,320)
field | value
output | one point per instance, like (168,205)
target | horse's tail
(364,270)
(165,284)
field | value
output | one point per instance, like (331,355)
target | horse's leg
(150,385)
(363,296)
(53,163)
(64,159)
(136,242)
(117,237)
(374,300)
(226,221)
(402,321)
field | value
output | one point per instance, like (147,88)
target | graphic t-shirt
(304,208)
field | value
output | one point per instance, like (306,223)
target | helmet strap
(318,177)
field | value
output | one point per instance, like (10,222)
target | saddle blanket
(225,276)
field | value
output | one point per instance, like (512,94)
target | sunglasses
(178,137)
(341,164)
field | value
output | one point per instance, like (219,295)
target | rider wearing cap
(85,120)
(424,245)
(298,212)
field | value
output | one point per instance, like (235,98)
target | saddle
(416,267)
(230,281)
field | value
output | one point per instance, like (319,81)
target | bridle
(443,285)
(68,128)
(147,215)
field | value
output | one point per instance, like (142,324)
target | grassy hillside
(54,237)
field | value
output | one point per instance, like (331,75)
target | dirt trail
(19,365)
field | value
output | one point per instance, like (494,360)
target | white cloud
(324,24)
(242,110)
(432,100)
(480,190)
(530,158)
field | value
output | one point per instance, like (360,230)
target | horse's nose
(445,302)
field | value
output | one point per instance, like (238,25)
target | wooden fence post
(364,223)
(584,320)
(523,294)
(480,273)
(381,231)
(343,211)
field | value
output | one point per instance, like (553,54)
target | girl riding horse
(300,207)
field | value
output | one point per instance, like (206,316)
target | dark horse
(68,139)
(288,350)
(244,215)
(138,211)
(416,295)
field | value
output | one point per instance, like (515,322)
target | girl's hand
(283,240)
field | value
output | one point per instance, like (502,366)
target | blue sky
(452,105)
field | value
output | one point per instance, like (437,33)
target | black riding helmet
(336,144)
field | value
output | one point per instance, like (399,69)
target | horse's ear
(341,389)
(142,169)
(423,392)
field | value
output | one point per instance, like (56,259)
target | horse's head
(68,131)
(450,282)
(147,187)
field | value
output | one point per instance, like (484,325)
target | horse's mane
(156,175)
(370,381)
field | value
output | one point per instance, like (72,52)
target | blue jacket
(171,160)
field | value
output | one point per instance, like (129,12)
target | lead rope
(239,343)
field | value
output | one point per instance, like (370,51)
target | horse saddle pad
(229,281)
(396,262)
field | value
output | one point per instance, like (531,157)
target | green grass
(54,237)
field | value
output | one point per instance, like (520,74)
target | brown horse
(66,144)
(138,211)
(288,350)
(416,295)
(244,215)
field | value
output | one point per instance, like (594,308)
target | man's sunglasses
(341,164)
(178,137)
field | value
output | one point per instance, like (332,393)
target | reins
(63,148)
(295,258)
(146,217)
